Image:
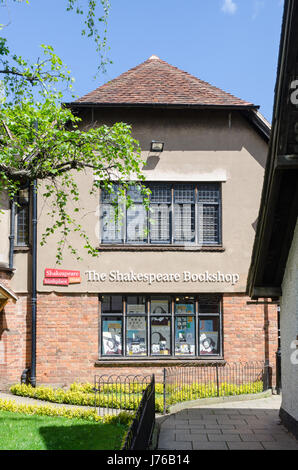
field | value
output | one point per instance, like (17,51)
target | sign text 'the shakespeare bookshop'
(151,278)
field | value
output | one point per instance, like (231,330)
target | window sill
(21,249)
(217,249)
(150,362)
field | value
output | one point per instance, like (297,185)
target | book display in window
(209,336)
(161,336)
(136,344)
(112,336)
(185,336)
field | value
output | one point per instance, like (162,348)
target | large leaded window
(179,214)
(161,325)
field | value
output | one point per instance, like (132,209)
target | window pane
(185,305)
(209,336)
(111,223)
(208,224)
(112,336)
(111,304)
(136,304)
(160,230)
(22,225)
(160,305)
(184,193)
(160,193)
(185,336)
(136,223)
(136,343)
(184,223)
(135,193)
(112,196)
(209,304)
(161,336)
(209,193)
(209,213)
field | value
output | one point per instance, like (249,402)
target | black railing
(140,433)
(114,393)
(189,382)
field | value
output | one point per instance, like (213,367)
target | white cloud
(229,7)
(257,7)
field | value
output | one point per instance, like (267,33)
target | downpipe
(34,290)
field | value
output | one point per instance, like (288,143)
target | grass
(22,432)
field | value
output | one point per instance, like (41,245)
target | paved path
(247,425)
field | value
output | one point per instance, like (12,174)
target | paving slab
(245,446)
(245,425)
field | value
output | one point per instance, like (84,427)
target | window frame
(172,242)
(20,208)
(197,316)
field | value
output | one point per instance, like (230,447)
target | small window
(22,218)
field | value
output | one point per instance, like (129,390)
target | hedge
(123,418)
(128,397)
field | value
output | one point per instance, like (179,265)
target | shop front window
(161,325)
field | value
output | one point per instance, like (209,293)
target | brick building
(168,286)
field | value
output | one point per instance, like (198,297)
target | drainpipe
(34,290)
(12,232)
(34,268)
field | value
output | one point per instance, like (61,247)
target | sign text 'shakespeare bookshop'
(152,278)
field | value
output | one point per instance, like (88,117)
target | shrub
(123,418)
(128,396)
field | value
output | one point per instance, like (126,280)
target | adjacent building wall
(289,334)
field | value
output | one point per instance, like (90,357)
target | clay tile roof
(157,82)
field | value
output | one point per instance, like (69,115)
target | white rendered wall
(289,332)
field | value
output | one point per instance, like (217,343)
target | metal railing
(187,383)
(114,393)
(140,433)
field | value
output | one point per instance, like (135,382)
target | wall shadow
(95,436)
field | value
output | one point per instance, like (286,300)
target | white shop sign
(152,278)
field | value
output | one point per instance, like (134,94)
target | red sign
(61,273)
(56,281)
(61,277)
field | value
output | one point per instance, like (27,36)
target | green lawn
(24,432)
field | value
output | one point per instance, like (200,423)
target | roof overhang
(250,112)
(6,295)
(85,104)
(279,204)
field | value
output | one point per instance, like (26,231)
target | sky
(232,44)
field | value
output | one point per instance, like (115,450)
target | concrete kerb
(203,402)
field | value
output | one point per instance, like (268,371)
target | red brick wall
(15,335)
(250,331)
(245,328)
(67,338)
